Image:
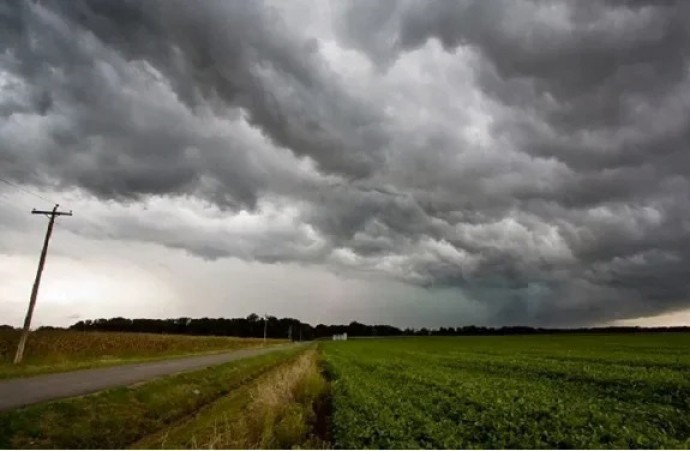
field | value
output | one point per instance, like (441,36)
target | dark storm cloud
(230,56)
(531,155)
(602,88)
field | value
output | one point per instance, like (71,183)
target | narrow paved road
(30,390)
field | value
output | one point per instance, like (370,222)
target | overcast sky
(417,163)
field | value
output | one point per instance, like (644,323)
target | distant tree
(252,326)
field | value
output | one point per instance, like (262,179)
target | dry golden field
(57,350)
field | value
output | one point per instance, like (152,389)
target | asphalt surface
(31,390)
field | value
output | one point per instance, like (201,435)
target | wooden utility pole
(34,291)
(265,325)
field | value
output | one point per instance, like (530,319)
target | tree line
(253,326)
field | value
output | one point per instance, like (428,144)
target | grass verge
(284,408)
(119,417)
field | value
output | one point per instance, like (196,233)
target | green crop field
(549,391)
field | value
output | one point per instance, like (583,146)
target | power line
(19,187)
(12,204)
(20,197)
(18,202)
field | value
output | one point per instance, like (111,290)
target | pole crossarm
(51,213)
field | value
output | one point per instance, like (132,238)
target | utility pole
(290,333)
(265,324)
(34,291)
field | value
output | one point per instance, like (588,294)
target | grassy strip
(283,408)
(57,351)
(118,417)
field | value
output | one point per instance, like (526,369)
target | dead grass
(277,411)
(280,412)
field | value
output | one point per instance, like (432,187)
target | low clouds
(528,156)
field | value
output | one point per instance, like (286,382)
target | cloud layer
(529,156)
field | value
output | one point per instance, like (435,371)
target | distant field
(60,350)
(554,391)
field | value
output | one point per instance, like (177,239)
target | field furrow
(447,392)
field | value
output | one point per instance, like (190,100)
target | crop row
(460,393)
